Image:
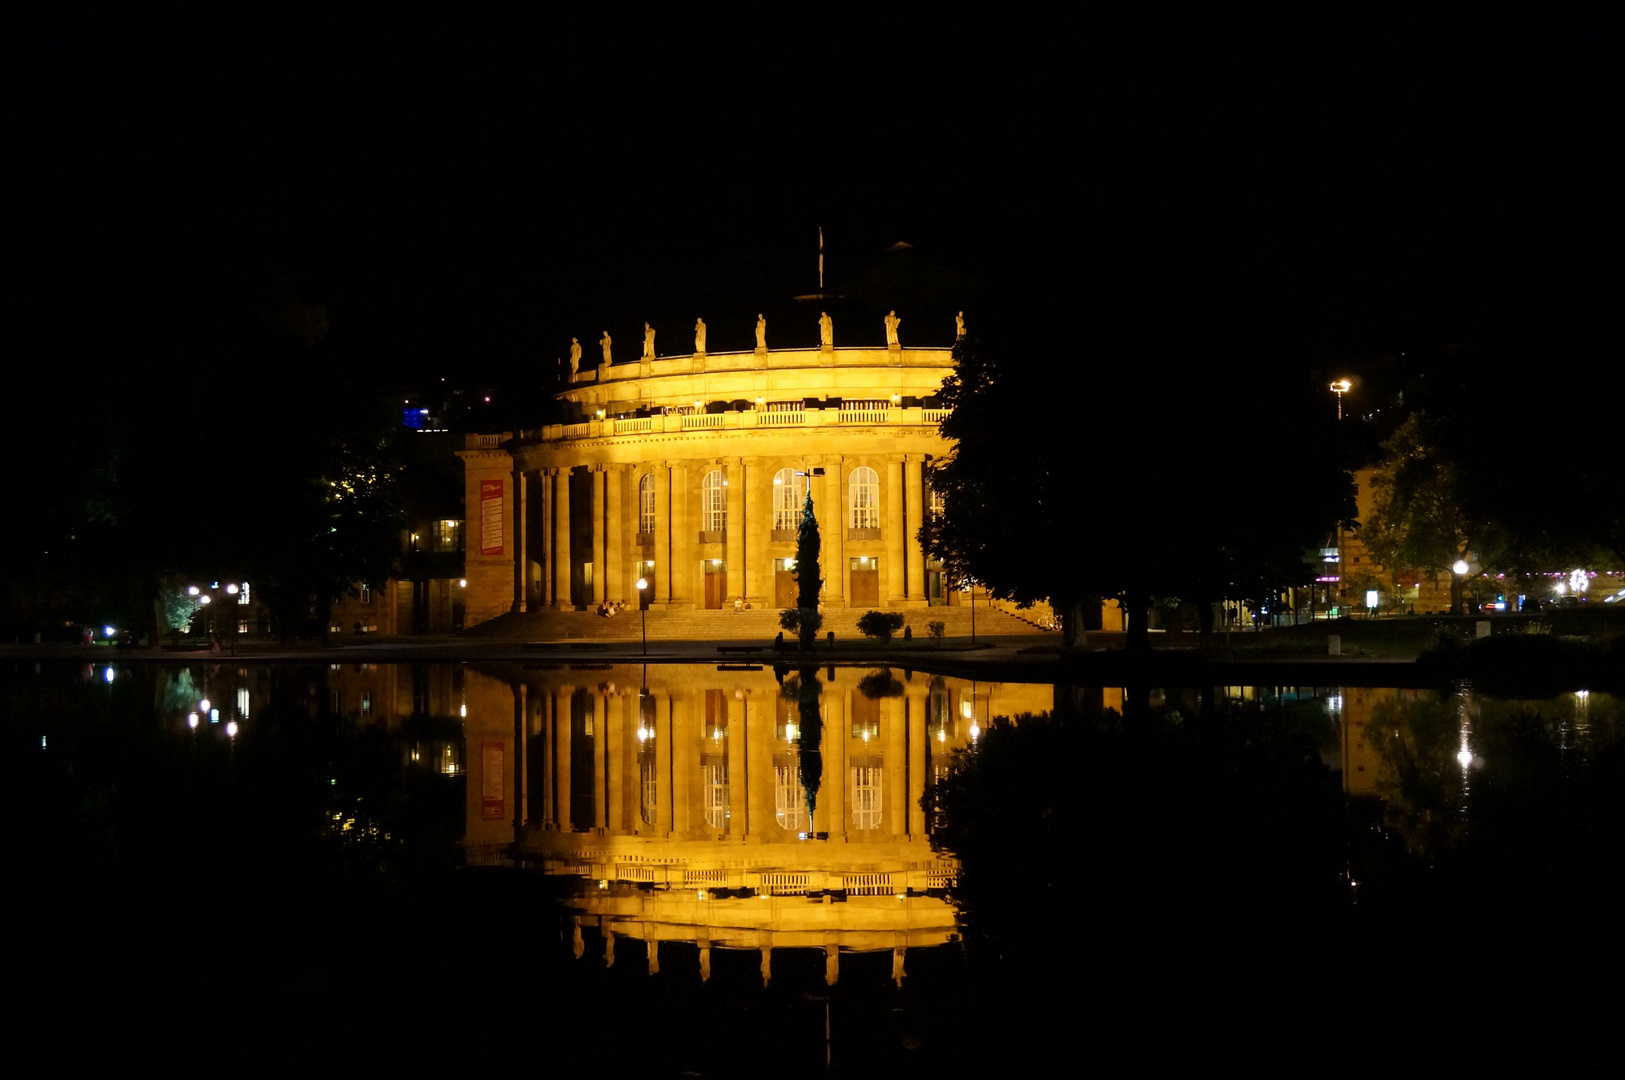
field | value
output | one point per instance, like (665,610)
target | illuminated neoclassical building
(690,472)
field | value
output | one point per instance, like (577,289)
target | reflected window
(646,504)
(864,498)
(714,778)
(789,494)
(789,797)
(648,764)
(714,502)
(867,792)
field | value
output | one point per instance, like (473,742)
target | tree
(1056,489)
(1417,520)
(805,618)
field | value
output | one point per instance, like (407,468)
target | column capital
(729,460)
(753,462)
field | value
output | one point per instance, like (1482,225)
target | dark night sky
(465,194)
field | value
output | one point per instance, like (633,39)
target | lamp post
(643,613)
(1340,387)
(1460,569)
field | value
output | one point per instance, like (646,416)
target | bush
(936,629)
(802,621)
(880,624)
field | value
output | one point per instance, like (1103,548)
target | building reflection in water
(677,799)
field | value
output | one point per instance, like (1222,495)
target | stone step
(726,624)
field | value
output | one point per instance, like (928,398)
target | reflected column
(735,741)
(759,719)
(683,755)
(836,737)
(663,755)
(600,759)
(895,734)
(561,758)
(615,710)
(914,701)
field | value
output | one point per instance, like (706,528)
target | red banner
(491,776)
(490,517)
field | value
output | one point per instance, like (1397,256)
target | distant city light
(108,674)
(109,631)
(231,590)
(231,729)
(1460,567)
(192,591)
(203,706)
(191,720)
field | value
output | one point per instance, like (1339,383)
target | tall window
(714,501)
(938,503)
(864,485)
(867,794)
(448,535)
(646,504)
(789,797)
(242,594)
(789,494)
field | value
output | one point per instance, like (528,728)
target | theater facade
(689,472)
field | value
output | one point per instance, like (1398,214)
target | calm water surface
(685,868)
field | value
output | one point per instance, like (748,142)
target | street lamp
(1340,387)
(643,613)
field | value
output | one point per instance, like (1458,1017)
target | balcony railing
(724,421)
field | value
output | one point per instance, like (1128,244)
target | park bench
(740,648)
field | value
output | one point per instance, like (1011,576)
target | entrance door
(716,583)
(865,587)
(936,589)
(784,583)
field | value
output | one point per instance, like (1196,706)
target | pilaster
(663,536)
(833,527)
(562,600)
(892,497)
(914,486)
(736,525)
(682,537)
(600,561)
(758,568)
(616,580)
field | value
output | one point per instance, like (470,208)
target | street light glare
(643,583)
(1461,566)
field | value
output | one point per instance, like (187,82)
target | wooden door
(716,585)
(784,584)
(866,584)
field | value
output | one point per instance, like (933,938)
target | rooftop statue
(605,343)
(699,335)
(761,332)
(959,326)
(575,356)
(826,329)
(892,322)
(648,342)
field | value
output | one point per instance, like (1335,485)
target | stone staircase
(761,624)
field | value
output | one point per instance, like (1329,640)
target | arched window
(714,501)
(864,488)
(789,495)
(646,504)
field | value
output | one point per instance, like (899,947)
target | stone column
(758,509)
(561,758)
(683,559)
(616,581)
(832,523)
(544,589)
(600,759)
(561,541)
(914,481)
(915,706)
(520,746)
(517,505)
(662,594)
(734,471)
(600,562)
(891,497)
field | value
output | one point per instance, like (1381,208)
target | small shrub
(880,625)
(803,622)
(936,629)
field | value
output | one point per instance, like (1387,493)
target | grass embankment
(1412,637)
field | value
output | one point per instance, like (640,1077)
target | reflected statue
(577,945)
(604,343)
(609,948)
(699,335)
(826,330)
(575,356)
(648,342)
(761,333)
(892,322)
(705,963)
(767,965)
(653,946)
(897,964)
(832,964)
(959,326)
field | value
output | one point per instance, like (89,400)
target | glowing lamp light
(203,706)
(109,631)
(108,674)
(462,583)
(231,590)
(1460,566)
(643,583)
(1579,581)
(231,729)
(1371,598)
(192,591)
(203,599)
(191,720)
(1465,757)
